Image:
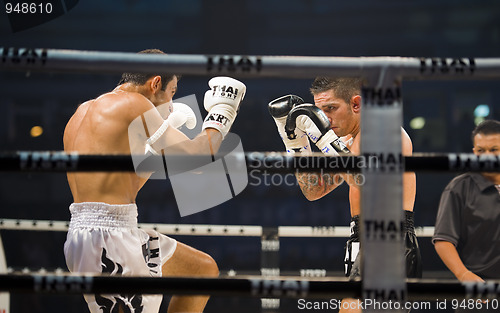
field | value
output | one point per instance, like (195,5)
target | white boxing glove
(279,109)
(182,114)
(222,102)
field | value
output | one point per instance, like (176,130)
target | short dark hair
(142,78)
(344,88)
(486,127)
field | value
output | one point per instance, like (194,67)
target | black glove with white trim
(279,109)
(314,122)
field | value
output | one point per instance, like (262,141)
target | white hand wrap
(158,133)
(222,102)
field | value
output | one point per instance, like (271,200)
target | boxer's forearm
(316,185)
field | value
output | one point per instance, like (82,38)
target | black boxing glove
(279,109)
(314,122)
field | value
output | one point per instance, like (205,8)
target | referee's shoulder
(461,180)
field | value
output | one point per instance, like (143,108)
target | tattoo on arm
(314,185)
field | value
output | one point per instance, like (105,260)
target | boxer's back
(100,126)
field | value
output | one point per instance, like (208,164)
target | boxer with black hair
(338,101)
(103,235)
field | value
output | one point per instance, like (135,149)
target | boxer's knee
(208,266)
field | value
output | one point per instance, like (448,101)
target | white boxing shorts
(104,238)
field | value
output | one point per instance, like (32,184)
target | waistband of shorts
(100,214)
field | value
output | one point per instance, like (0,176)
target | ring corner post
(383,266)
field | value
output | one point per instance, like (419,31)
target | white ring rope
(206,230)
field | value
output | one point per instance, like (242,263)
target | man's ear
(474,150)
(356,103)
(155,84)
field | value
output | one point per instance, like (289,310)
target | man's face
(161,96)
(486,144)
(340,113)
(171,88)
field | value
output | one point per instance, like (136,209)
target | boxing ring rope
(269,241)
(246,286)
(269,259)
(30,59)
(381,120)
(270,237)
(273,162)
(207,230)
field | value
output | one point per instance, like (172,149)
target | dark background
(422,28)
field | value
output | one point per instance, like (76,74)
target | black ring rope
(65,60)
(244,286)
(272,162)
